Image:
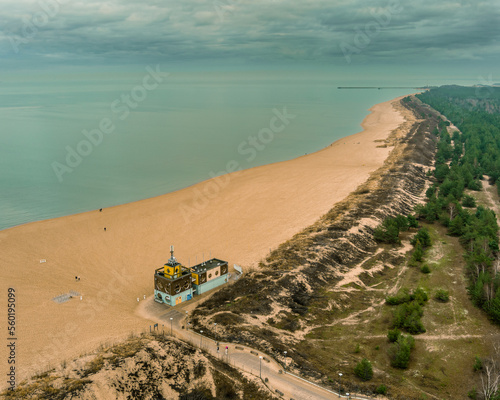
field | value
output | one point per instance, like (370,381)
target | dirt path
(491,197)
(423,336)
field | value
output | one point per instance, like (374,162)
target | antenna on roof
(172,259)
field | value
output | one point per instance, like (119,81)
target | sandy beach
(237,217)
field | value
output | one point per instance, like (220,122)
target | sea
(77,141)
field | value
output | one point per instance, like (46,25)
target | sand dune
(243,216)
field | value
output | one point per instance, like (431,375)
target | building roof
(207,265)
(160,272)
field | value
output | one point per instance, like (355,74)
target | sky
(460,37)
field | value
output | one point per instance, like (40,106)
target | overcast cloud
(249,31)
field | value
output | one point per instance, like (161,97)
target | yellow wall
(170,271)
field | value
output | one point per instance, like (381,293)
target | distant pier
(385,87)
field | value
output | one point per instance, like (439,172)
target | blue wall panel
(205,287)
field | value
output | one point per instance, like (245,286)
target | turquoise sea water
(163,138)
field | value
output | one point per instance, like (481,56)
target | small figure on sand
(100,209)
(104,229)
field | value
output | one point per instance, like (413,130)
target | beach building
(209,275)
(174,283)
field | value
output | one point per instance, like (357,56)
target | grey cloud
(191,30)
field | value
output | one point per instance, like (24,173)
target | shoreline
(363,125)
(253,211)
(242,161)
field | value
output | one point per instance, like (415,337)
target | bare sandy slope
(255,210)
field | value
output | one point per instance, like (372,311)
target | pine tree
(364,370)
(418,253)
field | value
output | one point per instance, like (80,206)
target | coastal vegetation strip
(463,160)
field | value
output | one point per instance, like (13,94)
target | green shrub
(478,364)
(442,295)
(475,185)
(457,227)
(420,296)
(401,222)
(382,389)
(425,269)
(409,310)
(407,317)
(399,352)
(441,171)
(423,236)
(387,232)
(402,297)
(393,335)
(364,370)
(412,221)
(468,201)
(418,252)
